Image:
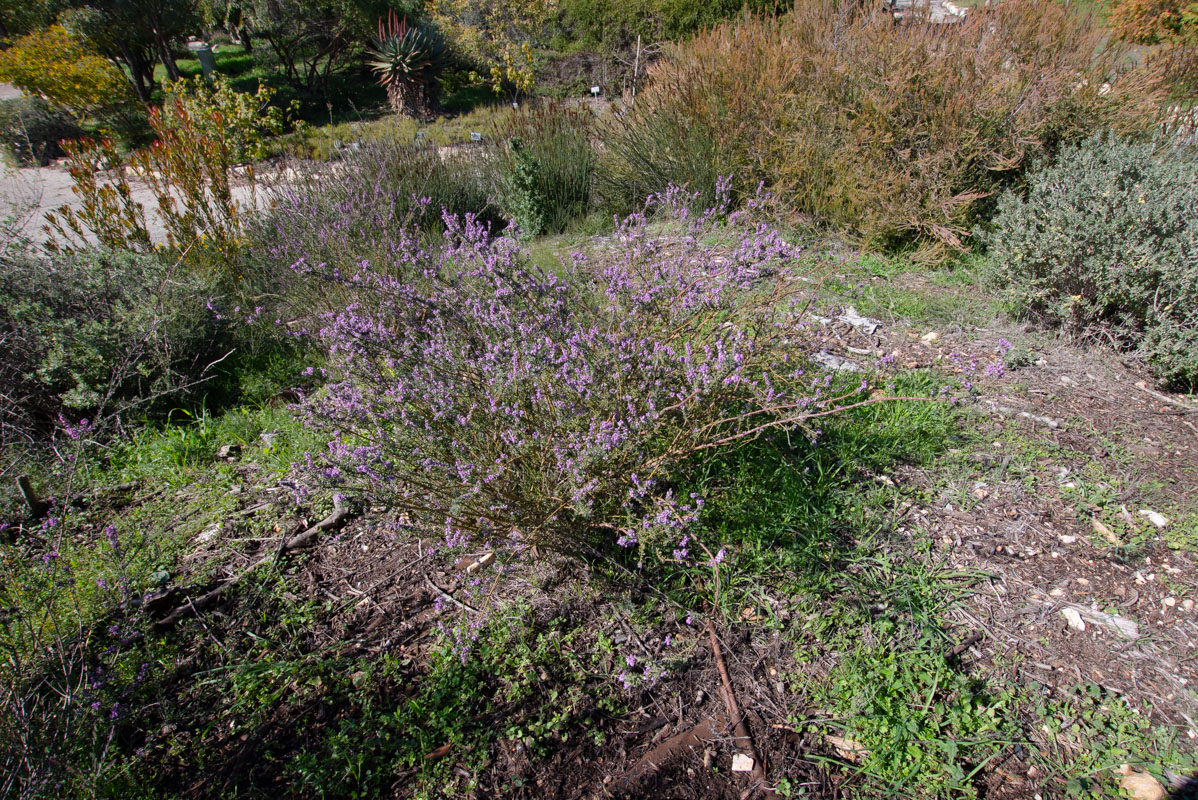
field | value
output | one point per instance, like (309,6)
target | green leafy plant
(917,726)
(220,112)
(547,167)
(408,60)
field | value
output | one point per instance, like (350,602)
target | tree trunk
(136,71)
(165,56)
(409,100)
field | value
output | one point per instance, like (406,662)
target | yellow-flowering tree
(218,111)
(50,62)
(497,34)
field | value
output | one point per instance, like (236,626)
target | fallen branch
(959,650)
(739,727)
(447,596)
(668,751)
(1143,387)
(341,512)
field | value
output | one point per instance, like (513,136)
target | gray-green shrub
(30,130)
(95,333)
(1106,241)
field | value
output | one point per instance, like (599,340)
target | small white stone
(742,763)
(1073,618)
(1156,518)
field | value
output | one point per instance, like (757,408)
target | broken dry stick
(341,512)
(678,745)
(739,727)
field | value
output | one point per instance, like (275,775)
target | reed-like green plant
(546,167)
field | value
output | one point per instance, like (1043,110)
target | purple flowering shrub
(482,396)
(364,207)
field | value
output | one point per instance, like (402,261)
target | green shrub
(223,113)
(95,333)
(894,132)
(607,22)
(30,130)
(1106,241)
(547,167)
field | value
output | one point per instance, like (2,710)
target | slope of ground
(990,598)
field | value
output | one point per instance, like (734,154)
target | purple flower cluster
(486,397)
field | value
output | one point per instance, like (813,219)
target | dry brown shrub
(896,132)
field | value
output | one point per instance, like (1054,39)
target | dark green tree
(135,34)
(309,40)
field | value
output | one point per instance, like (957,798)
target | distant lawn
(231,60)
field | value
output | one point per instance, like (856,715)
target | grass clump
(1103,244)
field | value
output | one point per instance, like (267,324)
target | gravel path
(28,193)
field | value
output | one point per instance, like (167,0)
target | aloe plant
(408,60)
